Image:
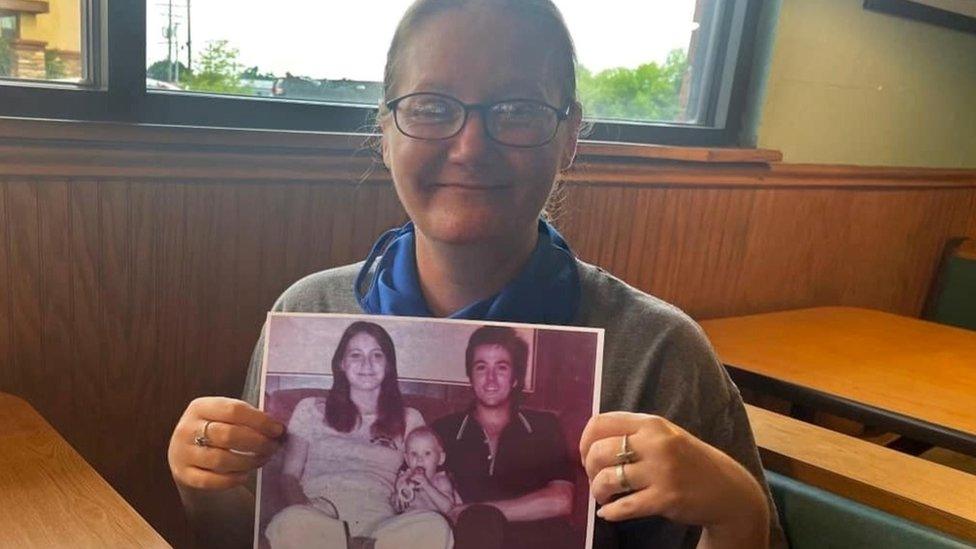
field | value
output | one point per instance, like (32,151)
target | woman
(479,117)
(344,452)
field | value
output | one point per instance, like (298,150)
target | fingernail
(599,512)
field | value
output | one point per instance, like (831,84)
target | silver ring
(622,479)
(626,455)
(203,440)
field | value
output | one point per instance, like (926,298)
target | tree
(217,70)
(54,66)
(649,92)
(6,58)
(160,70)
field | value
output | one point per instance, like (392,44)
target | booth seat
(816,519)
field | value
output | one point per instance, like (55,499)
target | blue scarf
(546,291)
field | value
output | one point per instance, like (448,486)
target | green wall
(841,85)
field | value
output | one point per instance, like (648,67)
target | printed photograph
(426,433)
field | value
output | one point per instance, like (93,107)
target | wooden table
(913,377)
(49,495)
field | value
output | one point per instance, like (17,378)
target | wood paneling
(721,252)
(135,271)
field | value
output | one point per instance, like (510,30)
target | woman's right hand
(234,425)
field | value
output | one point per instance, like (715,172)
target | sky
(348,38)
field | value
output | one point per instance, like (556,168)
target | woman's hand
(240,439)
(674,475)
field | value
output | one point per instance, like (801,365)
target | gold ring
(626,455)
(203,440)
(622,479)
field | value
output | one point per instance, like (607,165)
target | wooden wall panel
(718,252)
(7,371)
(25,291)
(127,288)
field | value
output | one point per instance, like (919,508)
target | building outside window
(41,40)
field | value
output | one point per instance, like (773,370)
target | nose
(471,144)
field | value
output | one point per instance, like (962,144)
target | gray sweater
(656,360)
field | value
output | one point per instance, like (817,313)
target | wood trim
(687,154)
(155,134)
(903,485)
(99,149)
(675,174)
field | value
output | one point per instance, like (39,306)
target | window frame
(16,17)
(115,62)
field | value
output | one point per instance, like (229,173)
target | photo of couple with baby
(376,462)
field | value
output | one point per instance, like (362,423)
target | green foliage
(217,70)
(160,70)
(649,92)
(6,58)
(54,66)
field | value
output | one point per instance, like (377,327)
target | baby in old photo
(422,485)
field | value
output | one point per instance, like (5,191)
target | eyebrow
(526,89)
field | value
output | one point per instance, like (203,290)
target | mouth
(471,187)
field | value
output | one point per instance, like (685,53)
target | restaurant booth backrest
(816,519)
(953,297)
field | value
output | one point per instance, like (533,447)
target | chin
(470,227)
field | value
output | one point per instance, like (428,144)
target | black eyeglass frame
(483,108)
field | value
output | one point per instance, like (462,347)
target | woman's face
(492,375)
(469,189)
(364,362)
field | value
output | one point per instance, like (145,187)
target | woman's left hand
(674,475)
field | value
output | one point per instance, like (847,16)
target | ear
(442,459)
(573,124)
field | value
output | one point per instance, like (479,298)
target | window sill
(274,141)
(50,148)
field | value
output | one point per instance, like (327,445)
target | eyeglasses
(511,122)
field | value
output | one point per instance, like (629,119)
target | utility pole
(169,43)
(189,40)
(176,46)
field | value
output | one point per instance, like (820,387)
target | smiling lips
(470,187)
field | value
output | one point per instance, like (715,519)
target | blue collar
(546,291)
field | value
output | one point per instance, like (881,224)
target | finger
(240,438)
(602,454)
(608,484)
(237,412)
(611,424)
(218,460)
(202,479)
(642,503)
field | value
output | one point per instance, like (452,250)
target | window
(41,40)
(665,72)
(8,25)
